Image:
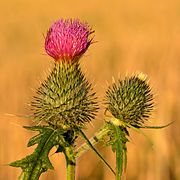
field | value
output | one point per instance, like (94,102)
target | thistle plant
(65,102)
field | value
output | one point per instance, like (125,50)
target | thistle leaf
(38,162)
(120,149)
(118,139)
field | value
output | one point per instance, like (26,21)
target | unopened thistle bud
(130,100)
(68,40)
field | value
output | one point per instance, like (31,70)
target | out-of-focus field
(131,35)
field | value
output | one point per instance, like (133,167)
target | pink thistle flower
(68,40)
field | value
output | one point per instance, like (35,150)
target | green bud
(130,100)
(65,99)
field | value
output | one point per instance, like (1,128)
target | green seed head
(130,100)
(65,99)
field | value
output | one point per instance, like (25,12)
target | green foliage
(115,134)
(38,162)
(65,99)
(66,102)
(117,139)
(130,100)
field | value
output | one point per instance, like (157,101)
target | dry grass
(132,36)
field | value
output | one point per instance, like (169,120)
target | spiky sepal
(65,99)
(131,100)
(38,162)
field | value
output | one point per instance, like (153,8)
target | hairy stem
(70,163)
(97,153)
(21,177)
(94,140)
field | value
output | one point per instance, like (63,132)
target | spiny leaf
(38,162)
(120,149)
(37,138)
(118,139)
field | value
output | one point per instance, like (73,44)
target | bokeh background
(131,35)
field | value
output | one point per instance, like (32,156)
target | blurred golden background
(131,36)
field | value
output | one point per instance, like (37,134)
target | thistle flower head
(131,100)
(68,40)
(65,99)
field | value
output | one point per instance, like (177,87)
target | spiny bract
(130,100)
(65,99)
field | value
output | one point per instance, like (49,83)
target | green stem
(119,155)
(94,140)
(21,177)
(97,153)
(70,171)
(70,163)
